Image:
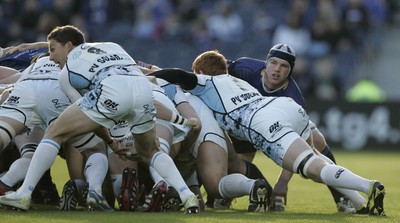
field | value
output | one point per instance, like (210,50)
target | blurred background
(347,50)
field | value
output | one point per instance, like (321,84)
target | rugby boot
(259,196)
(127,197)
(155,199)
(376,195)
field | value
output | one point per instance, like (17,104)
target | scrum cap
(284,52)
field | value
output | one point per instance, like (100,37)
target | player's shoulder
(247,61)
(245,67)
(293,83)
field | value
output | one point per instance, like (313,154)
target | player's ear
(69,45)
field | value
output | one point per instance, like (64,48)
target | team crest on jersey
(84,46)
(76,54)
(110,105)
(96,50)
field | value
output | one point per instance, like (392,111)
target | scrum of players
(148,138)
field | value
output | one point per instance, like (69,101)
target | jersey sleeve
(183,78)
(66,86)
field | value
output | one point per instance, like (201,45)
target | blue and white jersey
(87,60)
(232,92)
(42,69)
(233,101)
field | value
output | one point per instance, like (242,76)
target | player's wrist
(178,119)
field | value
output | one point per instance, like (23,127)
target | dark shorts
(243,146)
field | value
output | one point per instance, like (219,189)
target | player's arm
(166,114)
(146,68)
(26,46)
(6,73)
(186,80)
(187,111)
(66,86)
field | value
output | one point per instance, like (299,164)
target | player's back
(42,69)
(247,69)
(86,62)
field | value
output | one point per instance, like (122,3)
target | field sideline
(307,201)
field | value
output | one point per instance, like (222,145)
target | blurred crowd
(330,37)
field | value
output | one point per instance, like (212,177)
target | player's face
(58,52)
(277,71)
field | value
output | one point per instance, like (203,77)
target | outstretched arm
(26,46)
(186,80)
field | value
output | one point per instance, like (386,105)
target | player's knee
(7,133)
(318,140)
(28,149)
(303,162)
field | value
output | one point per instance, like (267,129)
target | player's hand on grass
(279,196)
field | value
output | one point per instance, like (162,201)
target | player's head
(283,52)
(68,33)
(62,40)
(211,63)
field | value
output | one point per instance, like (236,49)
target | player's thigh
(212,163)
(72,122)
(164,131)
(12,125)
(318,140)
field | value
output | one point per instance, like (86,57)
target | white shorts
(84,142)
(210,130)
(35,102)
(121,97)
(277,125)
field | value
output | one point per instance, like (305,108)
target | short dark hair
(63,34)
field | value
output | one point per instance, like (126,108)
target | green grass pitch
(307,201)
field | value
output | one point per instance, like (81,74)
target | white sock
(235,185)
(156,177)
(165,166)
(96,168)
(337,176)
(356,199)
(116,181)
(42,160)
(164,145)
(17,172)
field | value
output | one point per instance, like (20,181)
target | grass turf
(307,201)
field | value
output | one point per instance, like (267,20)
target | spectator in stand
(226,25)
